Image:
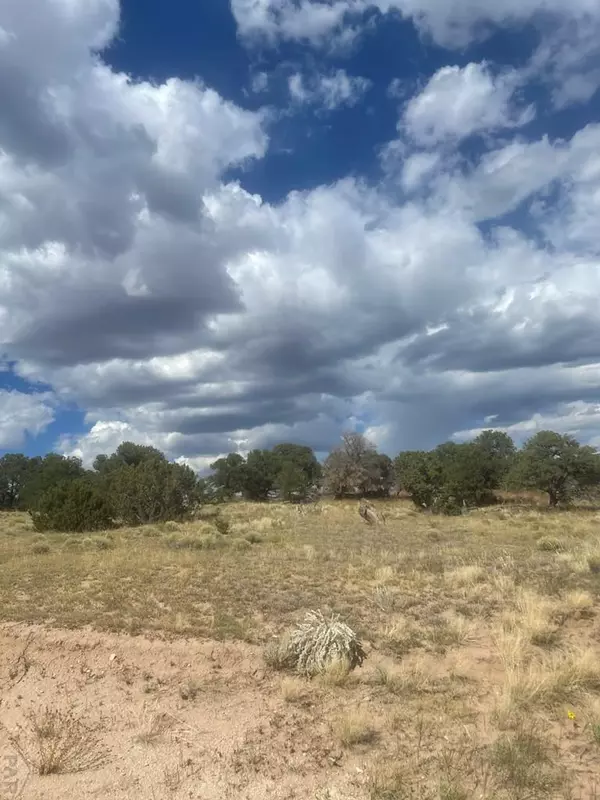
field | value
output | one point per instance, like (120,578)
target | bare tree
(357,468)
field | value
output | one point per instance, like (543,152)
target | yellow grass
(424,594)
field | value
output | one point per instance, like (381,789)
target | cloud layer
(179,309)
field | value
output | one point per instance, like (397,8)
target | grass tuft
(56,741)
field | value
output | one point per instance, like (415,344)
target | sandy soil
(236,738)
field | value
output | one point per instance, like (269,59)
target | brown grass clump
(355,727)
(154,726)
(56,741)
(534,616)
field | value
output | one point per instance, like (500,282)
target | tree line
(138,485)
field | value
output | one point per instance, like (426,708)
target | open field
(482,678)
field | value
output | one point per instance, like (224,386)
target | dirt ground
(133,664)
(193,719)
(237,737)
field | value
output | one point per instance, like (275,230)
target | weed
(294,690)
(57,741)
(355,727)
(524,766)
(154,726)
(189,690)
(550,544)
(384,598)
(40,548)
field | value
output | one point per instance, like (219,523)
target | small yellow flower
(571,714)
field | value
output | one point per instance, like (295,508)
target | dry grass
(508,593)
(355,727)
(295,690)
(56,741)
(534,616)
(153,726)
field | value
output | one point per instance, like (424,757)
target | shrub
(316,644)
(152,491)
(176,541)
(221,524)
(57,742)
(241,544)
(103,542)
(72,507)
(594,564)
(550,544)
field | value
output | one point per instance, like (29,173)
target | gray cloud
(179,310)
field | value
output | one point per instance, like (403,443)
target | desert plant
(318,642)
(57,741)
(40,548)
(550,544)
(76,506)
(355,727)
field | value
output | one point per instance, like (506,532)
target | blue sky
(230,223)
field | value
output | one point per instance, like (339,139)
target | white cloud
(260,82)
(22,414)
(452,23)
(578,419)
(185,312)
(327,91)
(418,167)
(289,19)
(458,102)
(567,56)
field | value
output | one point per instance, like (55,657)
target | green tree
(556,464)
(15,471)
(154,490)
(262,469)
(302,457)
(48,472)
(74,506)
(448,478)
(419,473)
(378,475)
(229,476)
(127,454)
(298,470)
(292,482)
(500,452)
(467,479)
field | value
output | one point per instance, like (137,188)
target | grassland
(483,675)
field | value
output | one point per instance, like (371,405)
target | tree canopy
(356,468)
(556,464)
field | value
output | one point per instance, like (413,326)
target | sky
(230,223)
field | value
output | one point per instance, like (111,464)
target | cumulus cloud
(457,102)
(567,57)
(22,414)
(327,91)
(179,309)
(452,23)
